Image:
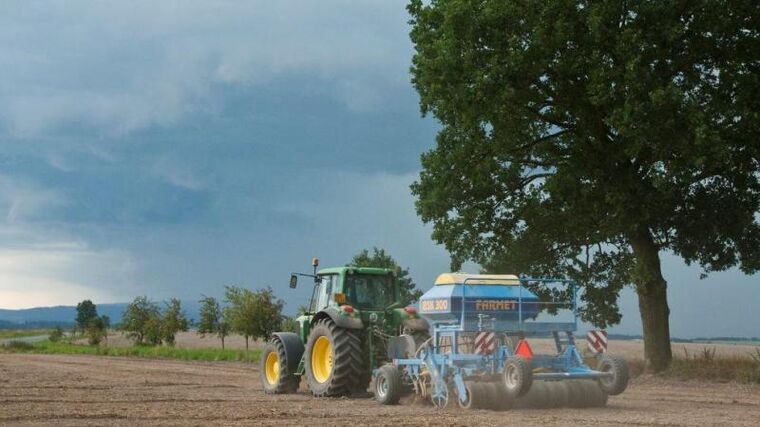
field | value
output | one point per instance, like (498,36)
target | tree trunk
(222,343)
(246,343)
(653,302)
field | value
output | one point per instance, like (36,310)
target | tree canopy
(142,321)
(585,138)
(253,314)
(173,320)
(209,315)
(408,293)
(211,319)
(86,312)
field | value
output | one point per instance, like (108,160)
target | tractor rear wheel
(274,371)
(333,359)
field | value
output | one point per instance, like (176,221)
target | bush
(56,335)
(97,329)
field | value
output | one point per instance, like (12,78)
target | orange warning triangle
(523,349)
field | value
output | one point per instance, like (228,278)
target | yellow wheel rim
(321,359)
(272,367)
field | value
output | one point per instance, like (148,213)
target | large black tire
(388,387)
(618,382)
(275,376)
(518,376)
(347,370)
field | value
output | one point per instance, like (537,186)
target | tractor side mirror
(293,281)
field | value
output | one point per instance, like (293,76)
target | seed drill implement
(479,355)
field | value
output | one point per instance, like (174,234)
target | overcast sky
(170,148)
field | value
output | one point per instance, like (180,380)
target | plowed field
(96,390)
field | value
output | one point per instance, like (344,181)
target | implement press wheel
(618,381)
(518,376)
(388,385)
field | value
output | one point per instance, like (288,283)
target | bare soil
(95,390)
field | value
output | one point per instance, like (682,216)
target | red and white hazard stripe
(485,343)
(597,341)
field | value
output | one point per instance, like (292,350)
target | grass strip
(152,352)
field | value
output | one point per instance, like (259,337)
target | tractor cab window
(370,291)
(323,294)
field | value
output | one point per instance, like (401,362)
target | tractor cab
(362,288)
(351,296)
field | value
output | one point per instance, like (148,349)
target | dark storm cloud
(200,144)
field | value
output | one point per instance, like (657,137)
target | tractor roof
(356,270)
(477,279)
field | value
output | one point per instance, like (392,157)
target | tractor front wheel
(274,370)
(333,359)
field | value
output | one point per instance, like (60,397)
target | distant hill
(64,315)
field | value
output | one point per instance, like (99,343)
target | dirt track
(92,390)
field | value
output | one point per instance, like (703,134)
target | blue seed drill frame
(454,367)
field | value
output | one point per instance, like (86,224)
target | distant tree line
(147,323)
(253,314)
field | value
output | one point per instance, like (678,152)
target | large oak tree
(586,138)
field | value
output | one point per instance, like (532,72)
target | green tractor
(344,336)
